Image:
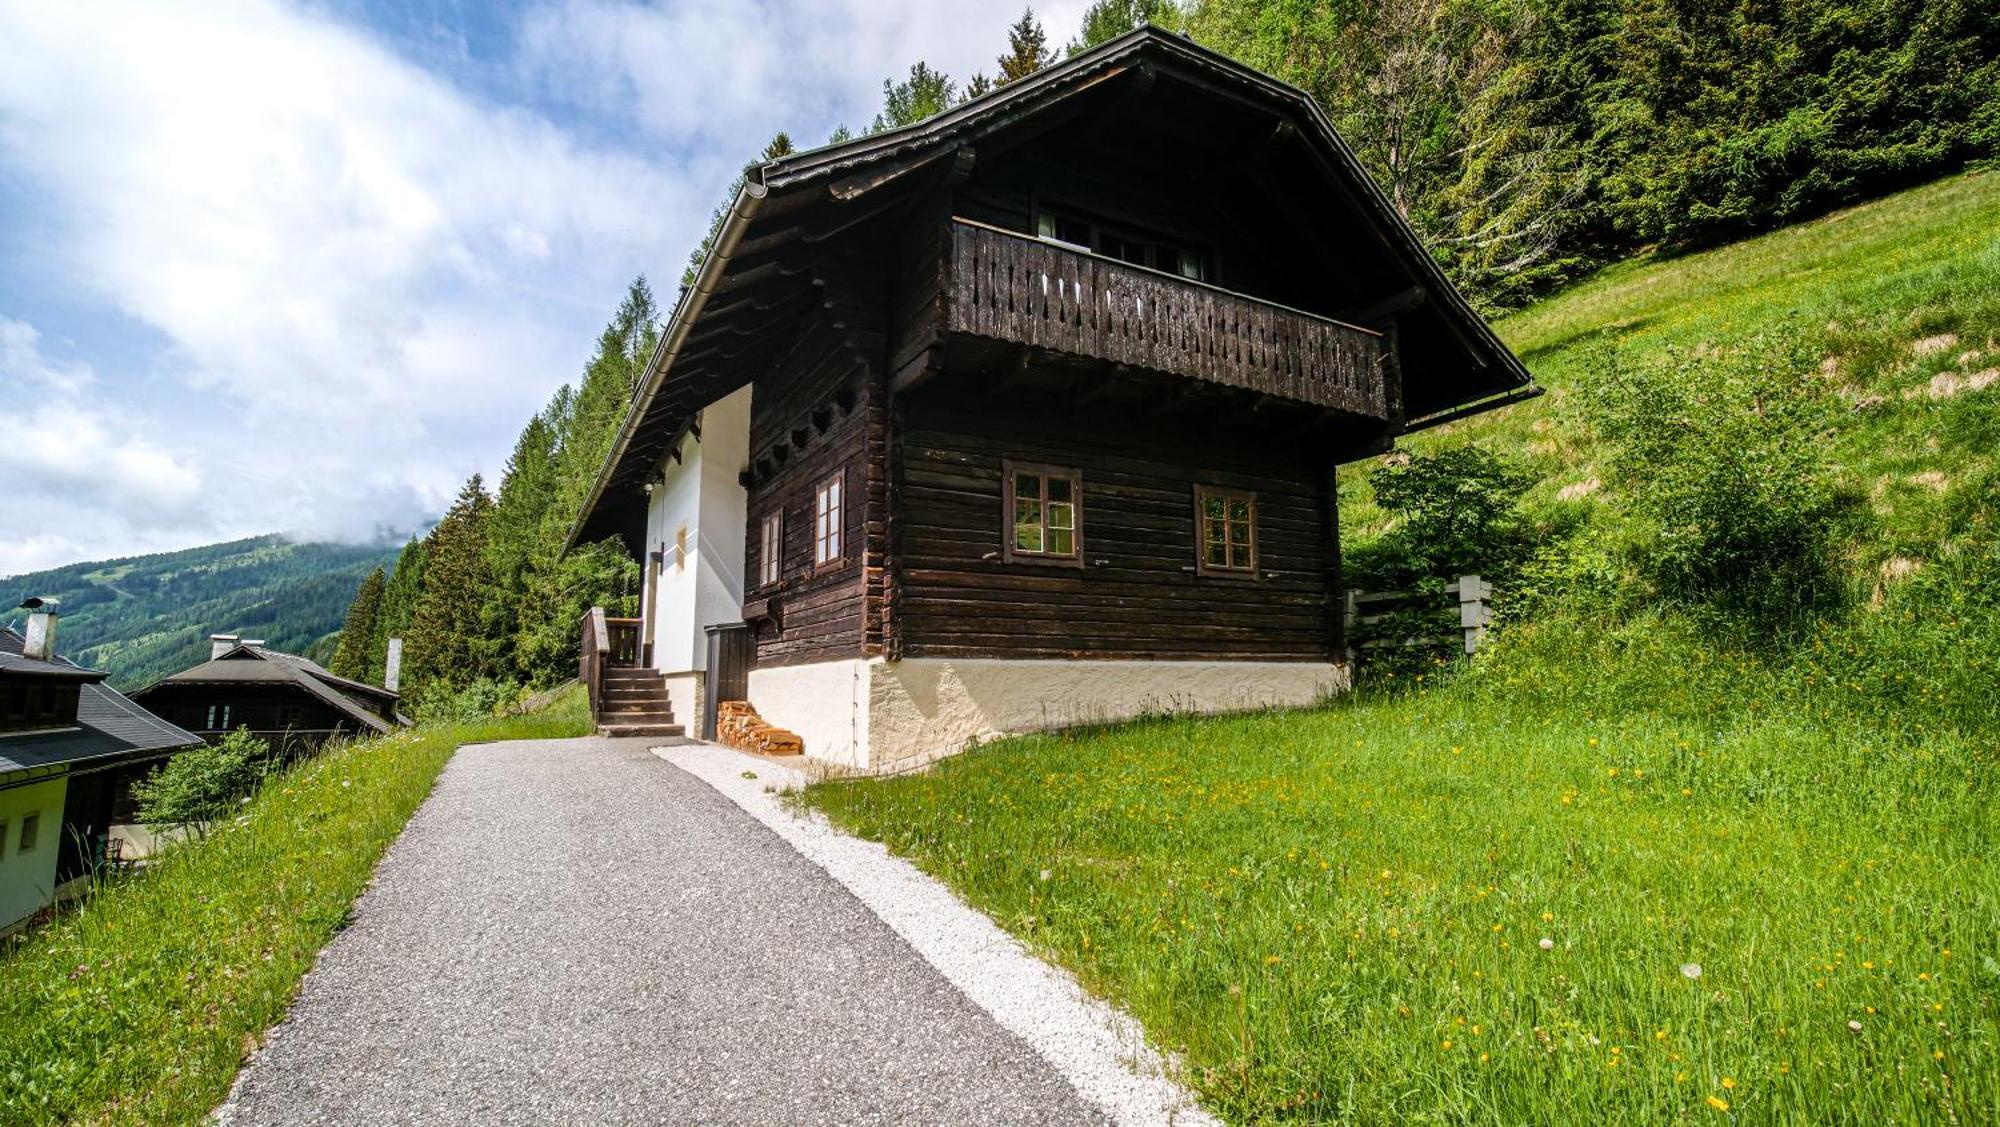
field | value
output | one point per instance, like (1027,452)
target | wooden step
(665,731)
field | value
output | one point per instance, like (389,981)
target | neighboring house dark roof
(108,727)
(788,205)
(247,664)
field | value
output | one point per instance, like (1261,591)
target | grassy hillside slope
(143,617)
(1900,299)
(1640,862)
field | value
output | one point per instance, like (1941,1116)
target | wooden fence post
(1475,613)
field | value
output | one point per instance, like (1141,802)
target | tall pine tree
(357,631)
(399,599)
(443,649)
(1027,49)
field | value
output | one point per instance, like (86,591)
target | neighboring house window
(290,716)
(1044,513)
(827,514)
(1228,531)
(31,831)
(215,713)
(771,548)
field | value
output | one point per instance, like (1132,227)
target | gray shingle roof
(247,664)
(109,727)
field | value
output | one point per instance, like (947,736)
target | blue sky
(303,267)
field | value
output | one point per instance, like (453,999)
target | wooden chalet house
(1028,414)
(289,702)
(70,748)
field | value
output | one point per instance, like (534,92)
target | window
(218,712)
(1140,248)
(290,716)
(1227,523)
(3,839)
(1044,511)
(827,514)
(31,830)
(771,548)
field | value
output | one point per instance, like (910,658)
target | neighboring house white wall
(881,717)
(28,878)
(695,520)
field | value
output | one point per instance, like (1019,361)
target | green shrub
(478,700)
(205,784)
(1721,455)
(1457,513)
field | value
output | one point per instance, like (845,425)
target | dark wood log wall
(813,414)
(1137,595)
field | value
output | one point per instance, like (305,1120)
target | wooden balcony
(1010,287)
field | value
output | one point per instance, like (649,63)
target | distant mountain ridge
(143,617)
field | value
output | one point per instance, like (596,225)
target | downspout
(742,210)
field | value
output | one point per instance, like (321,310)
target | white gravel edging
(1099,1049)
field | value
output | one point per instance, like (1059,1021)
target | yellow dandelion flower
(1272,960)
(1547,916)
(1937,1054)
(1729,1083)
(1484,1057)
(1447,1044)
(1718,1103)
(1660,1035)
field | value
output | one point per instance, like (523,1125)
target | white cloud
(727,76)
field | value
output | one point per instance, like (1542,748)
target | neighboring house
(70,747)
(1028,414)
(288,701)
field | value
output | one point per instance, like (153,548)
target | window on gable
(828,511)
(1044,512)
(771,548)
(31,831)
(1126,244)
(1227,528)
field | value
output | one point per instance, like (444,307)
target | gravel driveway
(575,931)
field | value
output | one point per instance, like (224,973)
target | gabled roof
(789,205)
(108,728)
(247,664)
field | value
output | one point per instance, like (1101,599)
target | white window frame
(771,548)
(829,516)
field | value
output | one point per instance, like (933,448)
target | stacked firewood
(738,725)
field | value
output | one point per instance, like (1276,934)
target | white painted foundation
(684,695)
(883,717)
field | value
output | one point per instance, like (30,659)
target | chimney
(392,669)
(219,644)
(41,642)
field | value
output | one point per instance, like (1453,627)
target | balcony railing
(1030,291)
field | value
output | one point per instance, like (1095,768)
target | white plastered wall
(28,880)
(695,518)
(878,716)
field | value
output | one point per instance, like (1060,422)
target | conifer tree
(1109,19)
(399,598)
(357,631)
(923,93)
(1027,49)
(442,650)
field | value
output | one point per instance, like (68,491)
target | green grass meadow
(1482,894)
(140,1005)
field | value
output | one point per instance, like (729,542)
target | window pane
(1214,553)
(1239,556)
(1061,515)
(1061,489)
(1027,485)
(1211,507)
(1027,512)
(1062,542)
(1027,537)
(1239,509)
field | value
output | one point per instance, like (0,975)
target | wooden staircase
(634,703)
